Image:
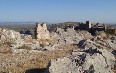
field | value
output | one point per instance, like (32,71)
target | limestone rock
(41,32)
(28,38)
(70,51)
(92,58)
(83,62)
(9,36)
(63,65)
(70,36)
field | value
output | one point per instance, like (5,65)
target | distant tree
(28,32)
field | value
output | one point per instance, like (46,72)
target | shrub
(42,45)
(25,47)
(8,43)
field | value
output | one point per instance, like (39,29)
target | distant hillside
(62,25)
(113,25)
(18,26)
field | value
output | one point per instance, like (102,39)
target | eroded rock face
(70,36)
(77,51)
(83,62)
(9,36)
(41,32)
(91,58)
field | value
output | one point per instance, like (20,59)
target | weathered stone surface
(92,58)
(63,65)
(9,36)
(42,32)
(70,36)
(77,51)
(28,38)
(83,62)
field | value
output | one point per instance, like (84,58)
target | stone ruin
(88,54)
(41,32)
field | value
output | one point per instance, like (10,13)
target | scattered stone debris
(65,50)
(82,62)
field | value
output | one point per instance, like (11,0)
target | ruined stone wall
(41,32)
(111,31)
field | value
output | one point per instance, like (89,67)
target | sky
(55,11)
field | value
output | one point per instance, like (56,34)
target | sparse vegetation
(42,45)
(27,58)
(25,47)
(8,43)
(4,48)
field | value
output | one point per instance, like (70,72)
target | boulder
(84,62)
(9,36)
(70,36)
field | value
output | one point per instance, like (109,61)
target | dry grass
(46,56)
(25,47)
(37,60)
(42,59)
(48,41)
(5,48)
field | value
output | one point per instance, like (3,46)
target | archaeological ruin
(41,32)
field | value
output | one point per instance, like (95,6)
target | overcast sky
(53,11)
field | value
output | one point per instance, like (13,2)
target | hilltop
(62,50)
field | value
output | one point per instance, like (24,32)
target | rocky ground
(67,51)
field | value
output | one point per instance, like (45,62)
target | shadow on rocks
(36,70)
(91,70)
(39,70)
(81,44)
(114,52)
(92,51)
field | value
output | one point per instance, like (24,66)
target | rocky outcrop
(101,61)
(9,36)
(91,58)
(41,32)
(68,51)
(70,36)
